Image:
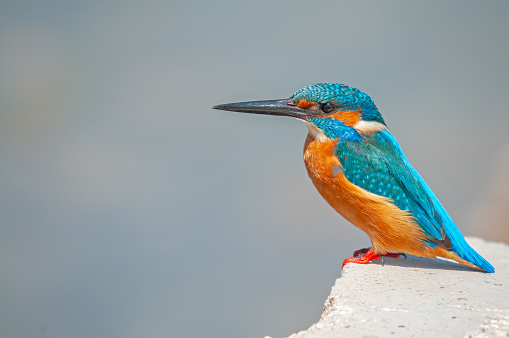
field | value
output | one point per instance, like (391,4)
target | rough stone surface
(418,297)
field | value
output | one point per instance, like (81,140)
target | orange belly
(388,227)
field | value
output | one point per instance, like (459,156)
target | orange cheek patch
(349,118)
(304,103)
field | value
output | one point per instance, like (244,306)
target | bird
(359,168)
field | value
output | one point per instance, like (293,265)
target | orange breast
(388,227)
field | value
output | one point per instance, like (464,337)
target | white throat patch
(316,132)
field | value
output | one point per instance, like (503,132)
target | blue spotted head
(333,110)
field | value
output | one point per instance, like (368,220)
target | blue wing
(379,166)
(375,167)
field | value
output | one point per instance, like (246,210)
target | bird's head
(325,107)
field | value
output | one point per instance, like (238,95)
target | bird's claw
(357,253)
(368,255)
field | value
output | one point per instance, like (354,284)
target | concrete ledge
(418,297)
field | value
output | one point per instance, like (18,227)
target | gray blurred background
(130,208)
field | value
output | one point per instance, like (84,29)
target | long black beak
(284,107)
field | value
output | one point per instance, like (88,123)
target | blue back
(378,165)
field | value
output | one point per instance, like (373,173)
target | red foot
(368,256)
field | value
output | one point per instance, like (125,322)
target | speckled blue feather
(376,171)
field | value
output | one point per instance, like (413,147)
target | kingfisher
(359,168)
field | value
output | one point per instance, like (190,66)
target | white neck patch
(316,132)
(369,126)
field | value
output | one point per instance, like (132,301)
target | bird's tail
(465,251)
(459,244)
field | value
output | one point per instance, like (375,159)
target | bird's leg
(356,253)
(360,251)
(368,256)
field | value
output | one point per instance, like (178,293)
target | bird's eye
(328,107)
